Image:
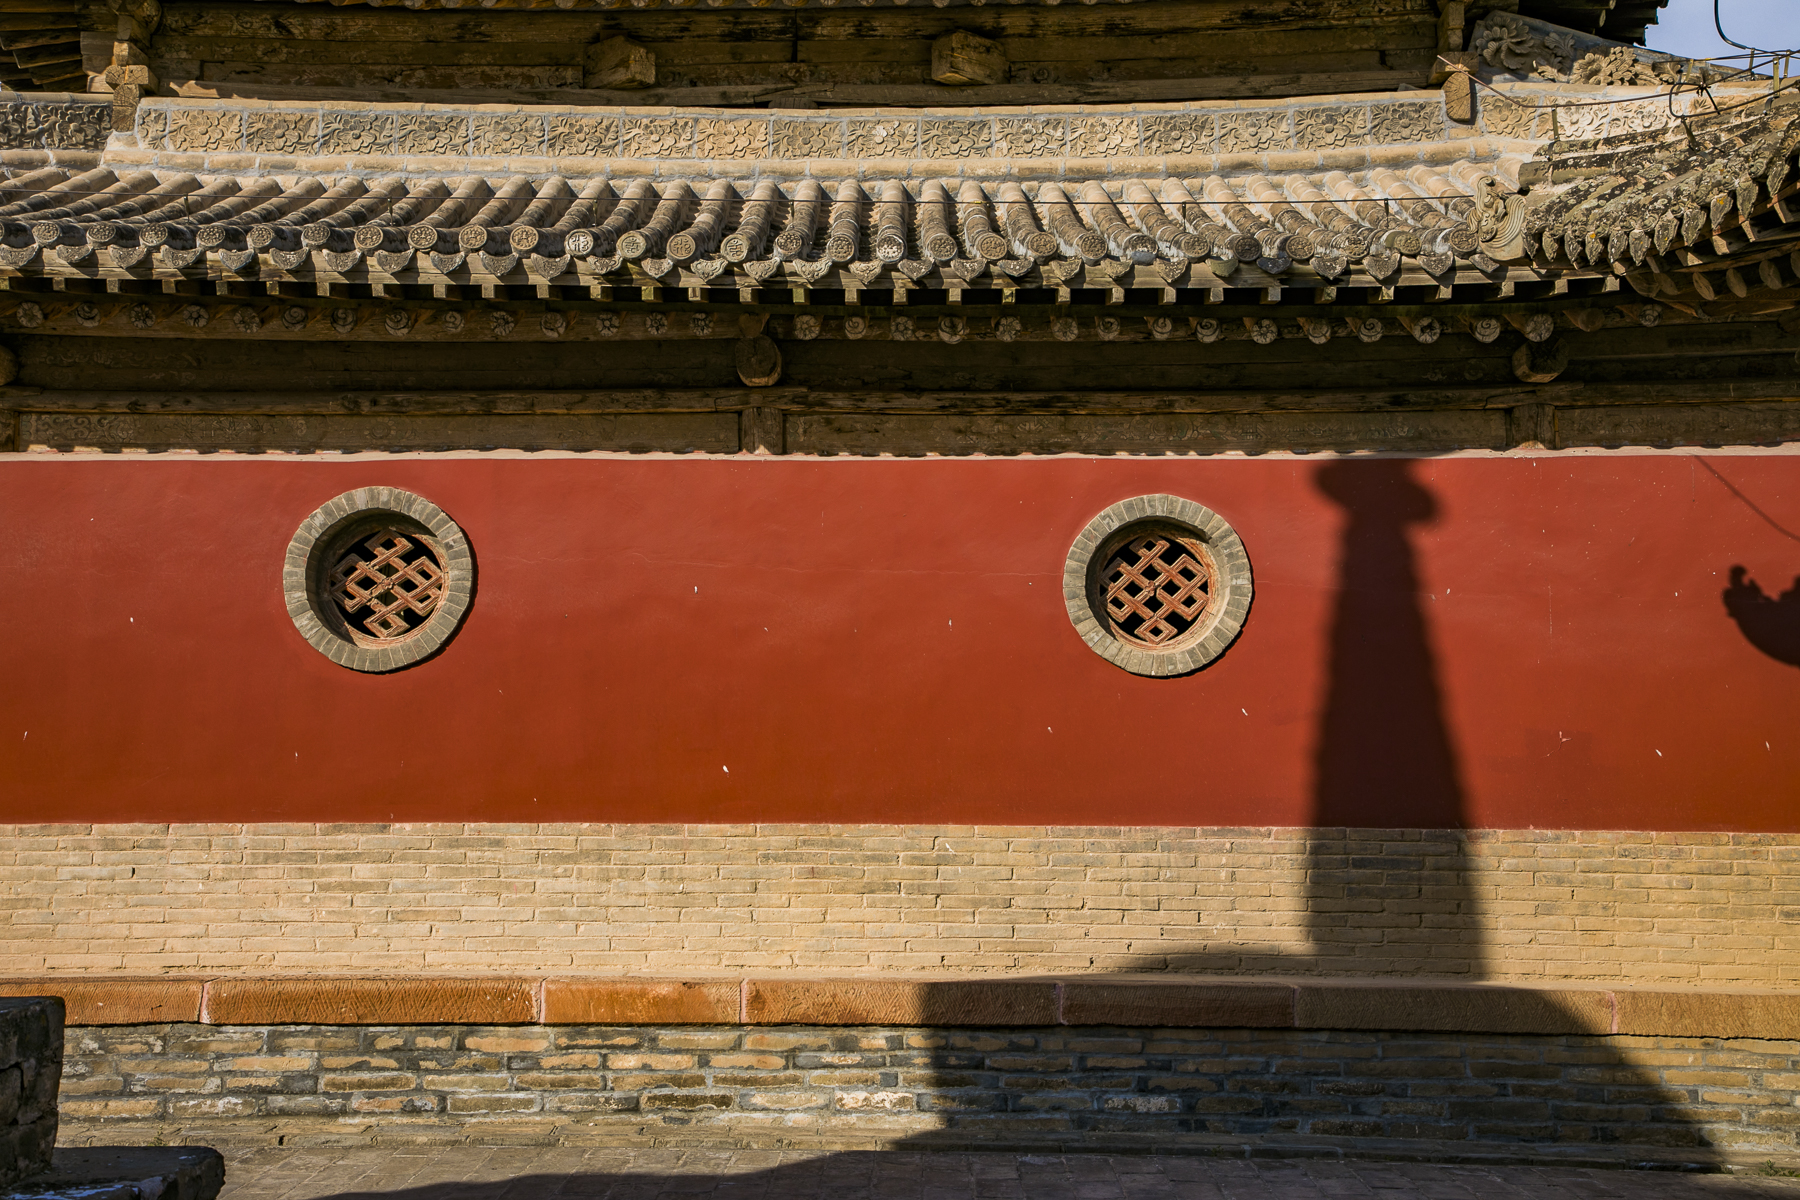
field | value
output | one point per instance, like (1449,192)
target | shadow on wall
(1770,623)
(1384,754)
(1380,1075)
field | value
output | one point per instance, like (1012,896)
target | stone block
(397,1001)
(108,1172)
(31,1057)
(101,1001)
(1182,1005)
(639,1002)
(1774,1016)
(1458,1009)
(899,1002)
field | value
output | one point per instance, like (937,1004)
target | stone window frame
(318,538)
(1223,621)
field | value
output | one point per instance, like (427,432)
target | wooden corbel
(960,58)
(129,77)
(618,62)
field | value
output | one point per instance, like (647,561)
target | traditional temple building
(1164,569)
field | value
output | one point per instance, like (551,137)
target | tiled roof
(1325,227)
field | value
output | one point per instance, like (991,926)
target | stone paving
(525,1173)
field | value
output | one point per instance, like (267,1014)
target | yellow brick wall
(1528,905)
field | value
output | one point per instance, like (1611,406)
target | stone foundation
(1700,1099)
(31,1058)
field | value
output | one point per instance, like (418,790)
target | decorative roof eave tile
(1100,227)
(1686,220)
(1703,212)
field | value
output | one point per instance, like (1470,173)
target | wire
(1719,25)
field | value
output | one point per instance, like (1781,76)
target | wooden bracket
(962,58)
(758,361)
(1454,69)
(1451,16)
(129,77)
(1540,362)
(618,62)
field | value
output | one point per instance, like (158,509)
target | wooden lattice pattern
(393,576)
(1158,585)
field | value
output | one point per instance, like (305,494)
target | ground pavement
(528,1172)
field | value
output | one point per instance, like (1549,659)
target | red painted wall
(1490,642)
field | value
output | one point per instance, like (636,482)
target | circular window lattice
(378,579)
(1158,585)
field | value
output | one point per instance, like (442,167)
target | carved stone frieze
(1030,137)
(198,130)
(356,133)
(582,136)
(152,127)
(1331,128)
(1413,121)
(1616,67)
(278,132)
(895,137)
(731,138)
(1510,43)
(504,136)
(806,139)
(1185,133)
(432,133)
(1505,116)
(956,139)
(1103,137)
(660,137)
(1253,131)
(64,126)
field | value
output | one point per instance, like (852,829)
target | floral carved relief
(1247,132)
(660,137)
(1330,128)
(1503,116)
(54,126)
(731,138)
(1409,122)
(1103,137)
(152,127)
(881,139)
(956,139)
(432,134)
(807,139)
(1022,137)
(205,129)
(281,132)
(501,137)
(1186,134)
(356,133)
(582,137)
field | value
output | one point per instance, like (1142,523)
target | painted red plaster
(742,640)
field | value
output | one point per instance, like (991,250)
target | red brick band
(1170,1003)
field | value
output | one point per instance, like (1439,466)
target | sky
(1686,26)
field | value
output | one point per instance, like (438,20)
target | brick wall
(1706,1097)
(1505,904)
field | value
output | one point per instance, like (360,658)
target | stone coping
(1503,156)
(999,1001)
(303,129)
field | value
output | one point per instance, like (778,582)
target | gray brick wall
(1734,1096)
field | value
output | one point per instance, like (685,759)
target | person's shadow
(1770,623)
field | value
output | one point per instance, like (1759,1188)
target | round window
(1158,585)
(378,579)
